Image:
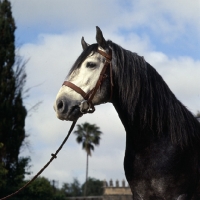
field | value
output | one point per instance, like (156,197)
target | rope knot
(53,155)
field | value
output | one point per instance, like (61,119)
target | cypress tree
(12,110)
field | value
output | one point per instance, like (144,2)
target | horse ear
(100,39)
(84,44)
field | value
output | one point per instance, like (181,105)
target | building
(116,192)
(111,192)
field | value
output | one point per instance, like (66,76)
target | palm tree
(88,135)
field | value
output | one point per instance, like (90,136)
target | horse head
(87,83)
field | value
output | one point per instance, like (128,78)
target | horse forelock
(91,48)
(144,94)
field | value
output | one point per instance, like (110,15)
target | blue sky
(166,33)
(186,43)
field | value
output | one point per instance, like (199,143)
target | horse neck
(135,137)
(142,131)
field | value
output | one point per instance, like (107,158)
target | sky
(48,36)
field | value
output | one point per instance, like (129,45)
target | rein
(54,155)
(88,97)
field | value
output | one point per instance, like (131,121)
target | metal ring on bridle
(82,106)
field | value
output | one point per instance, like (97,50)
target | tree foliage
(3,172)
(75,189)
(39,189)
(88,135)
(12,110)
(72,189)
(94,187)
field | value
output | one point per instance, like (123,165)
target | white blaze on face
(84,77)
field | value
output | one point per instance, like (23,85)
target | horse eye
(90,65)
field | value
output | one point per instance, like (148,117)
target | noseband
(88,97)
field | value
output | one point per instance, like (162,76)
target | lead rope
(53,157)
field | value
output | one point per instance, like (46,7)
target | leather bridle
(88,97)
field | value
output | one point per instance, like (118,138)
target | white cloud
(182,76)
(167,19)
(65,13)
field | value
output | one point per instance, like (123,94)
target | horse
(162,154)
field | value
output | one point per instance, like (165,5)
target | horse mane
(143,92)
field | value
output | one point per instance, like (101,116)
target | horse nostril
(60,105)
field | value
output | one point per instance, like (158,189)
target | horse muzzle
(67,111)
